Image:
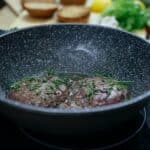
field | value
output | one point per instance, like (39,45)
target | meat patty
(67,92)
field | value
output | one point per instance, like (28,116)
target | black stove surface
(18,139)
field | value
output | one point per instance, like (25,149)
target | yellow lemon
(100,5)
(140,3)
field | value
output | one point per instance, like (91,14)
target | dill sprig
(15,86)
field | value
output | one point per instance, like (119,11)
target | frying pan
(74,48)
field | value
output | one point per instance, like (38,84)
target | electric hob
(135,136)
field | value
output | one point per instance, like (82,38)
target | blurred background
(129,15)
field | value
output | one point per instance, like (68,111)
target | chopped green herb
(44,79)
(29,79)
(99,73)
(50,72)
(120,84)
(51,88)
(33,86)
(110,80)
(123,84)
(61,80)
(15,86)
(91,89)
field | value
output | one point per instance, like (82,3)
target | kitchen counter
(7,17)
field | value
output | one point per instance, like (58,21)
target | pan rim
(7,32)
(36,109)
(58,111)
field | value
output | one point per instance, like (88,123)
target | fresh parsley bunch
(129,13)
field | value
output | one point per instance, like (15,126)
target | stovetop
(16,139)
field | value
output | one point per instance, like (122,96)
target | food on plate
(100,5)
(44,8)
(131,14)
(74,14)
(73,2)
(59,90)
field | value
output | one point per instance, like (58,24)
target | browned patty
(53,92)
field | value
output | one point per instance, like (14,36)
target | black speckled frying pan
(74,48)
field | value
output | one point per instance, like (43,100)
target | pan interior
(75,48)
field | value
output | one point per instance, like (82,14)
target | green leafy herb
(44,79)
(120,84)
(15,86)
(129,13)
(91,89)
(29,79)
(110,80)
(31,82)
(33,86)
(76,77)
(51,88)
(60,81)
(50,72)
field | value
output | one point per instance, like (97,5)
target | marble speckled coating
(74,48)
